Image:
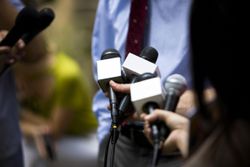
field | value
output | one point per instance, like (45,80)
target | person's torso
(167,32)
(9,127)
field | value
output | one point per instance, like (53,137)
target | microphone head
(150,54)
(26,18)
(176,82)
(110,53)
(46,16)
(145,76)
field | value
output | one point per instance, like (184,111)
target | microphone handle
(10,40)
(126,102)
(27,37)
(113,103)
(171,101)
(170,105)
(149,109)
(12,37)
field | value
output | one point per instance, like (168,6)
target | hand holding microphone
(174,86)
(179,134)
(28,24)
(109,68)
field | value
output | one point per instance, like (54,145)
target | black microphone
(148,53)
(29,23)
(137,65)
(24,22)
(174,85)
(46,16)
(150,104)
(147,95)
(109,68)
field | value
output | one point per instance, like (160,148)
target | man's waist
(133,130)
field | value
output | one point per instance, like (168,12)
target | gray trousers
(134,153)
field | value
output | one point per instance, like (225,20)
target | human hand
(43,141)
(179,126)
(186,103)
(124,88)
(11,55)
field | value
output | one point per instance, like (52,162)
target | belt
(134,132)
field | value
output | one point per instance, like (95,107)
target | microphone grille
(110,53)
(46,16)
(150,54)
(177,82)
(145,76)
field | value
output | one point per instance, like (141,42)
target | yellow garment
(70,92)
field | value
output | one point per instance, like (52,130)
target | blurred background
(69,33)
(71,30)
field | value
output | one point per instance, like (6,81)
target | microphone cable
(114,125)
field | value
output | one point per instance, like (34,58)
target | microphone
(146,96)
(24,22)
(132,67)
(28,24)
(150,54)
(46,16)
(138,65)
(109,68)
(147,93)
(174,85)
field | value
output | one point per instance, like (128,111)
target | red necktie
(136,29)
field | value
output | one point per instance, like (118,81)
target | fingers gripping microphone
(174,86)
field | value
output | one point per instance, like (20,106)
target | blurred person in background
(10,142)
(55,107)
(10,147)
(55,101)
